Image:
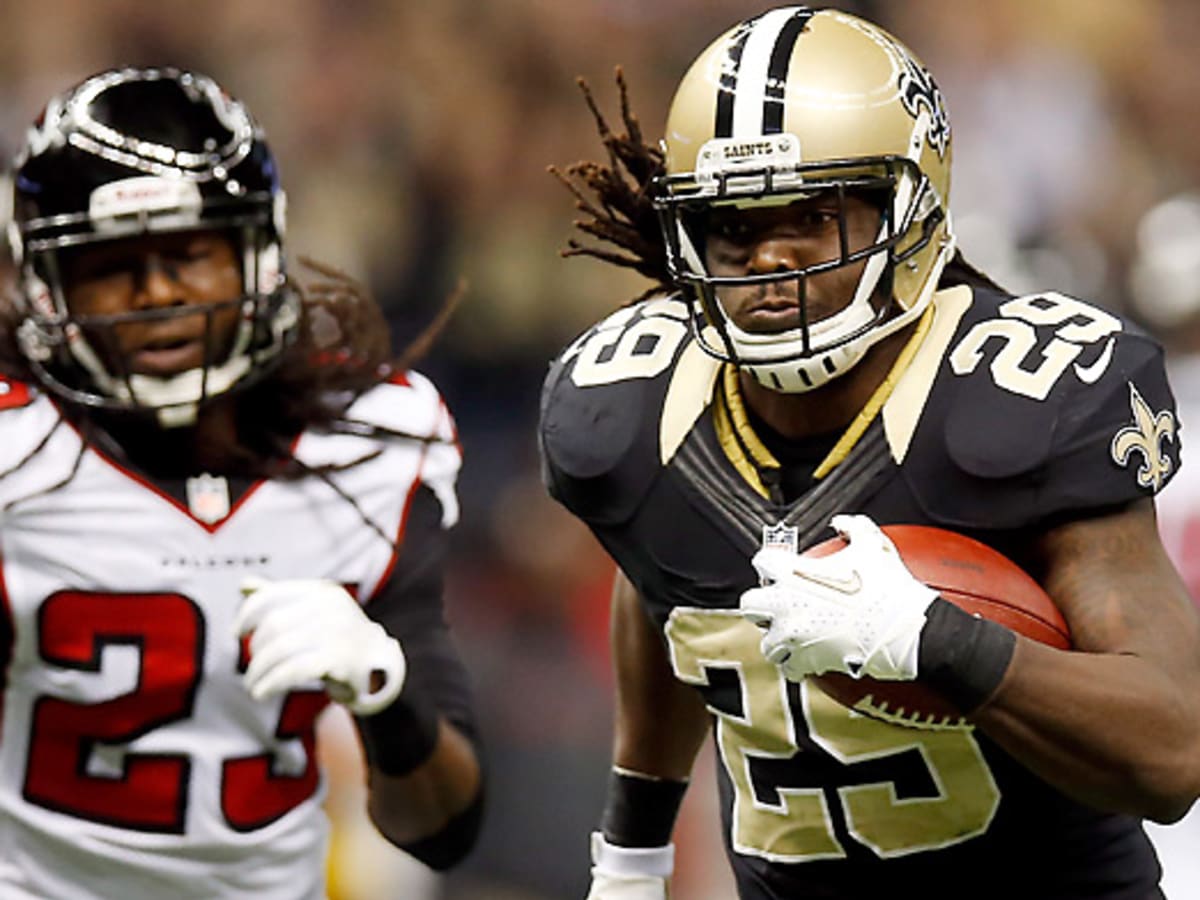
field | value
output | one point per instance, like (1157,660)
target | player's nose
(159,284)
(775,253)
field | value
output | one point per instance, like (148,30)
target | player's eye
(200,248)
(730,229)
(99,267)
(105,269)
(817,217)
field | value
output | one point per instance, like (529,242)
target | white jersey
(133,762)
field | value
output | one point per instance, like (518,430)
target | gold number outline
(801,828)
(1016,331)
(663,319)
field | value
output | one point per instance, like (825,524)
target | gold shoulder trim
(688,394)
(741,445)
(868,413)
(903,408)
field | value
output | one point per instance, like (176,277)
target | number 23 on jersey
(72,744)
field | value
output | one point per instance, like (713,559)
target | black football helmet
(137,151)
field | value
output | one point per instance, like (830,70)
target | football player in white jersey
(221,509)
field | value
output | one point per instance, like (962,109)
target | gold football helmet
(782,106)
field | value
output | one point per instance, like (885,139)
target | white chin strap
(174,398)
(778,361)
(796,376)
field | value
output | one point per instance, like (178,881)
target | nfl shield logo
(208,498)
(785,537)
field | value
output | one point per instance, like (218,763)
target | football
(974,577)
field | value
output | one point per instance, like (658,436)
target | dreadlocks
(621,211)
(343,345)
(342,349)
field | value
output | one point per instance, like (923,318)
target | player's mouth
(770,313)
(167,356)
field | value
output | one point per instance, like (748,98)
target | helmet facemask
(78,356)
(804,357)
(105,188)
(795,104)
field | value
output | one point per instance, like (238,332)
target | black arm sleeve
(409,606)
(446,848)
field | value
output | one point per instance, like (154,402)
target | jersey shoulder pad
(38,448)
(1023,420)
(406,404)
(26,415)
(405,420)
(602,405)
(15,394)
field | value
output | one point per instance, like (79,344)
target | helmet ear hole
(793,102)
(139,151)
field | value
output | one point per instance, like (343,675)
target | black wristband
(962,656)
(640,810)
(399,737)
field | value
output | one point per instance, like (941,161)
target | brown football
(974,577)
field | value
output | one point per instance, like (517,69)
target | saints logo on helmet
(130,152)
(792,104)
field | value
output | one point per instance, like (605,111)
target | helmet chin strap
(784,361)
(801,376)
(174,399)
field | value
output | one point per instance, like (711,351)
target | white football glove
(629,873)
(858,610)
(307,629)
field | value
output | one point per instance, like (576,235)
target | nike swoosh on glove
(858,610)
(629,873)
(304,630)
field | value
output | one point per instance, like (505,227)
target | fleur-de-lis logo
(1146,437)
(917,90)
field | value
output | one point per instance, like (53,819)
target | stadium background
(414,138)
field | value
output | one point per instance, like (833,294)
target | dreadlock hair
(12,363)
(616,197)
(342,349)
(620,210)
(343,345)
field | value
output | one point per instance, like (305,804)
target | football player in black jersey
(820,358)
(222,506)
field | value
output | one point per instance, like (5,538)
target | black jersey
(1010,414)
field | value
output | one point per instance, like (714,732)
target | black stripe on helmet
(727,90)
(781,58)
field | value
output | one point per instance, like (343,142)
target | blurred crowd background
(414,137)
